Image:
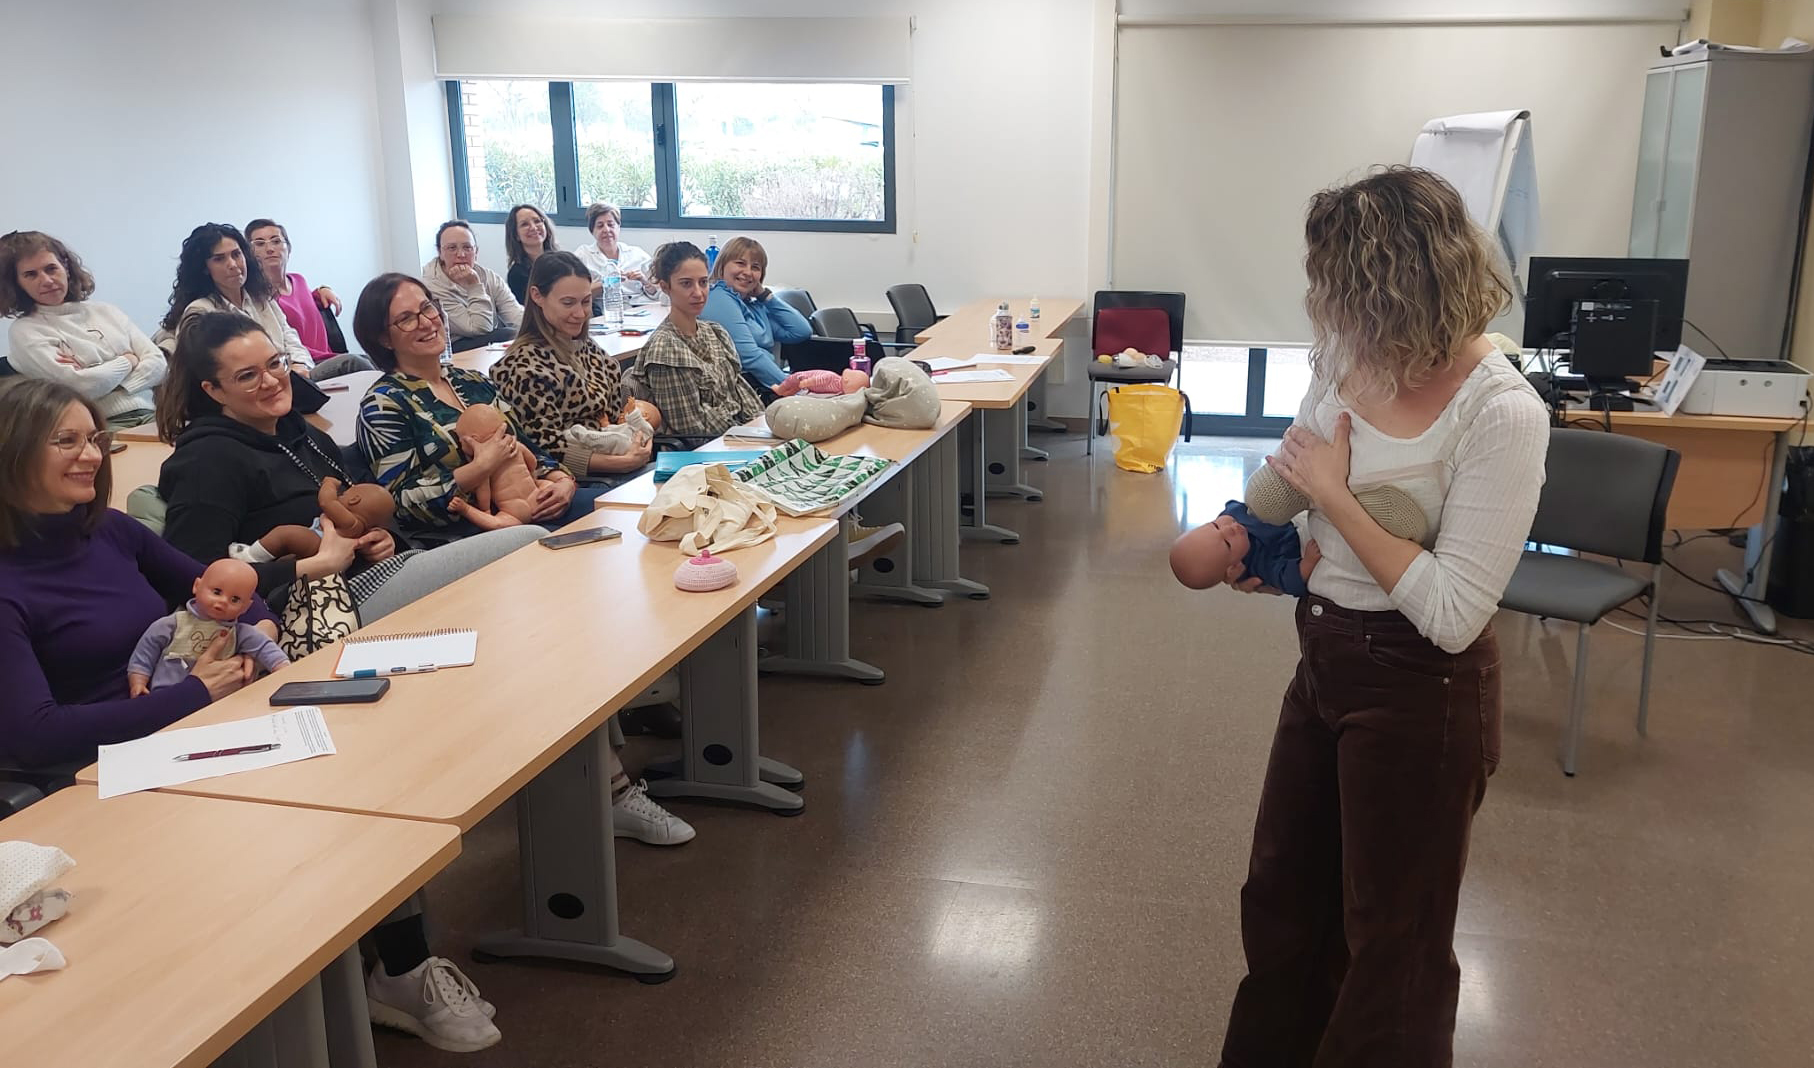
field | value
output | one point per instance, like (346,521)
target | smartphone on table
(331,692)
(580,537)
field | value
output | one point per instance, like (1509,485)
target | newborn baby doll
(507,499)
(1258,540)
(172,645)
(616,439)
(825,383)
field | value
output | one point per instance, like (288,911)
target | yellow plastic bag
(1145,420)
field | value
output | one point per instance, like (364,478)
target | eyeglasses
(73,442)
(269,242)
(410,320)
(248,380)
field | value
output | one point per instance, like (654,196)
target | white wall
(128,130)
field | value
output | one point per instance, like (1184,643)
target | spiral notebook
(400,654)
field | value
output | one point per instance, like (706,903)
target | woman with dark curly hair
(61,335)
(215,272)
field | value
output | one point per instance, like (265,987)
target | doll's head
(225,590)
(1202,558)
(854,380)
(479,422)
(362,508)
(650,413)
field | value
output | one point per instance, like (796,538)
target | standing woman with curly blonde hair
(1390,727)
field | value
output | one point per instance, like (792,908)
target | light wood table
(566,639)
(970,323)
(136,465)
(645,318)
(1731,475)
(997,439)
(920,492)
(193,920)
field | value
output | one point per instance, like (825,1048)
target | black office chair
(842,323)
(913,311)
(800,299)
(336,338)
(20,786)
(6,367)
(1605,494)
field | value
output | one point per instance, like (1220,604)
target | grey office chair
(842,323)
(913,311)
(801,300)
(1605,494)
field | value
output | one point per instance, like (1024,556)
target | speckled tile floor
(1025,848)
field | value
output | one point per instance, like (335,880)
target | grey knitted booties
(1271,499)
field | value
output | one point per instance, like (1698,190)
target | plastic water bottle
(447,349)
(1033,309)
(1001,327)
(614,300)
(859,355)
(711,252)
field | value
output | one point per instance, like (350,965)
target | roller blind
(1400,11)
(1224,131)
(873,50)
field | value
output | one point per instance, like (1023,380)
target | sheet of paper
(150,762)
(757,431)
(1684,367)
(993,374)
(945,363)
(992,357)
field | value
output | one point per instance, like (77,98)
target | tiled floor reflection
(1025,850)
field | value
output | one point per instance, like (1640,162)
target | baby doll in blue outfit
(1257,539)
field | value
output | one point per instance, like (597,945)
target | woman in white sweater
(1390,728)
(477,304)
(61,335)
(215,273)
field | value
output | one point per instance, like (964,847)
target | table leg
(936,516)
(293,1036)
(1023,422)
(890,576)
(722,753)
(349,1025)
(818,620)
(975,470)
(1760,545)
(569,871)
(1006,433)
(1036,409)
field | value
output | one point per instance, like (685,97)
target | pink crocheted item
(705,573)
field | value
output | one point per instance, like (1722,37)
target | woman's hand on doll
(1316,468)
(493,454)
(137,685)
(1238,579)
(553,495)
(375,545)
(334,556)
(220,669)
(1313,555)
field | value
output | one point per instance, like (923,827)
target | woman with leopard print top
(557,379)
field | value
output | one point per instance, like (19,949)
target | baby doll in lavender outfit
(172,645)
(1258,540)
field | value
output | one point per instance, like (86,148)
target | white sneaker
(866,543)
(636,815)
(434,1001)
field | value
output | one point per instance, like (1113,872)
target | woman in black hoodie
(245,463)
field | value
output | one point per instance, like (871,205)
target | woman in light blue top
(757,320)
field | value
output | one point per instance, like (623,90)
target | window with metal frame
(705,155)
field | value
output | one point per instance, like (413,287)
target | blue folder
(667,463)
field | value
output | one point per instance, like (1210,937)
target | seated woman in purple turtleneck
(79,583)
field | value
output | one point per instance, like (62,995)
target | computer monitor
(1559,283)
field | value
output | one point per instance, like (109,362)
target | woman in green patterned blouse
(690,367)
(406,421)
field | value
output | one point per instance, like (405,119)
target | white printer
(1770,388)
